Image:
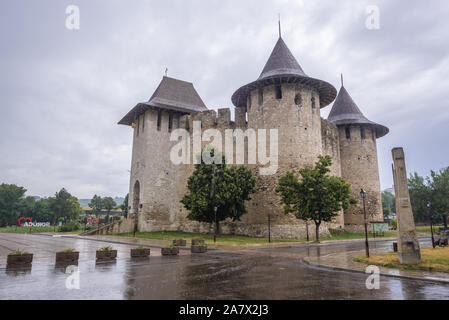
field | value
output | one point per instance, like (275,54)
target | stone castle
(282,98)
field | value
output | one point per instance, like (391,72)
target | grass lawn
(431,260)
(349,236)
(426,229)
(34,230)
(234,239)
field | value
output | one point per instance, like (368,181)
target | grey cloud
(62,92)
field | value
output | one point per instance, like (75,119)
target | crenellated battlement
(213,119)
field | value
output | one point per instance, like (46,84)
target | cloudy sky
(62,91)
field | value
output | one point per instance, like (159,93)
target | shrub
(68,250)
(19,252)
(336,232)
(394,223)
(71,226)
(105,249)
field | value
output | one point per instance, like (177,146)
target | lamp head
(363,193)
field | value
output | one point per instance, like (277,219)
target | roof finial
(342,79)
(279,25)
(166,70)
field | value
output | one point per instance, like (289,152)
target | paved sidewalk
(343,261)
(226,247)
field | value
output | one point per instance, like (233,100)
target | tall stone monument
(408,245)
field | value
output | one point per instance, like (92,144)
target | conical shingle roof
(282,67)
(281,62)
(345,112)
(171,94)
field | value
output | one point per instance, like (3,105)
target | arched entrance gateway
(136,203)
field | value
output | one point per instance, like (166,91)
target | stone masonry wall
(302,136)
(359,167)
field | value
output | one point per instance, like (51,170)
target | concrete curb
(332,268)
(113,241)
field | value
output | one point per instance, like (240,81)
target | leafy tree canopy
(388,203)
(109,204)
(96,204)
(318,196)
(216,185)
(11,203)
(124,206)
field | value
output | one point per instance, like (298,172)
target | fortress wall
(359,167)
(331,147)
(163,184)
(157,175)
(299,139)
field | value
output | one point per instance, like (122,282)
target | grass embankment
(208,238)
(35,230)
(235,239)
(426,229)
(431,260)
(354,236)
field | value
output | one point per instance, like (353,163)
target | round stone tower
(358,153)
(286,99)
(154,180)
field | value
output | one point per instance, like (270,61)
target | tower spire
(279,21)
(341,79)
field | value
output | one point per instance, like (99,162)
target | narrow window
(260,96)
(138,125)
(298,99)
(159,116)
(373,134)
(249,102)
(348,133)
(313,102)
(170,121)
(362,133)
(143,122)
(278,90)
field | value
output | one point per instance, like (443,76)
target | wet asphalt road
(255,274)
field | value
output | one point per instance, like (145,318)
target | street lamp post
(269,228)
(431,224)
(212,194)
(363,195)
(215,229)
(307,231)
(136,213)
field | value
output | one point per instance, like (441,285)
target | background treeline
(62,207)
(432,190)
(14,204)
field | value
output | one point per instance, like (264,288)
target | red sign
(24,219)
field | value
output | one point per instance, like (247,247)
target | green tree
(42,210)
(124,206)
(420,195)
(11,203)
(65,206)
(318,196)
(108,204)
(96,204)
(388,203)
(439,185)
(216,185)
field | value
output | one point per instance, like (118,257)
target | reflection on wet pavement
(275,273)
